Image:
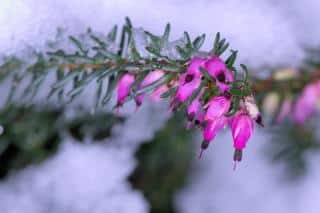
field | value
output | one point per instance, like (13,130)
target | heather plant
(213,90)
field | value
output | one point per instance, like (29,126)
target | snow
(80,178)
(86,177)
(266,33)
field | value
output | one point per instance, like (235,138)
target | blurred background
(68,159)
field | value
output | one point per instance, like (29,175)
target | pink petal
(217,107)
(213,127)
(123,87)
(242,129)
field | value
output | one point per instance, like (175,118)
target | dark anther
(205,144)
(188,78)
(237,156)
(190,116)
(259,121)
(138,102)
(197,122)
(227,94)
(221,77)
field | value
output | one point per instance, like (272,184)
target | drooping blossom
(152,77)
(123,87)
(194,108)
(157,92)
(218,70)
(208,113)
(242,129)
(212,128)
(199,119)
(210,131)
(190,80)
(217,107)
(306,103)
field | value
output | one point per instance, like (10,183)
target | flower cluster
(303,107)
(204,89)
(298,103)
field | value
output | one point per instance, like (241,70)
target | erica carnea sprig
(135,63)
(290,94)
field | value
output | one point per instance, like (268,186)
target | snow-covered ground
(85,178)
(80,178)
(265,32)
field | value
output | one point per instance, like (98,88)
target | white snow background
(82,178)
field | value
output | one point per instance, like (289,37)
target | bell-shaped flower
(199,119)
(218,70)
(217,107)
(210,131)
(123,87)
(193,109)
(156,93)
(306,103)
(212,128)
(151,77)
(190,80)
(242,129)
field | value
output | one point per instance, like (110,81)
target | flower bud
(212,128)
(218,70)
(242,129)
(123,87)
(210,131)
(199,120)
(152,77)
(193,109)
(156,94)
(217,107)
(190,80)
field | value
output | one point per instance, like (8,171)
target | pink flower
(242,129)
(217,69)
(306,103)
(156,94)
(190,80)
(285,110)
(199,119)
(210,131)
(149,79)
(123,87)
(217,107)
(212,128)
(193,109)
